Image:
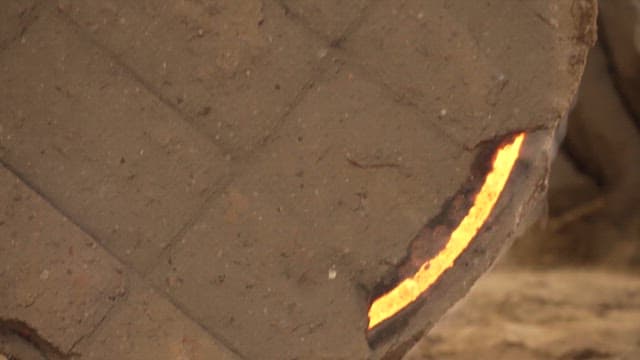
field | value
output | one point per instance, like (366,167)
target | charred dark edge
(31,336)
(480,168)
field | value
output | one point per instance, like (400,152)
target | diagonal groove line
(356,23)
(401,100)
(338,42)
(320,70)
(335,42)
(271,136)
(245,163)
(113,56)
(32,15)
(131,271)
(299,20)
(248,159)
(198,214)
(113,308)
(210,196)
(184,116)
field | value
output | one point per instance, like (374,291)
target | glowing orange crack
(409,289)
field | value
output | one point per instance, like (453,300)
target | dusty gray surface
(232,155)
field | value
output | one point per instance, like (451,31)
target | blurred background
(569,288)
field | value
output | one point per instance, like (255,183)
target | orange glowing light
(409,289)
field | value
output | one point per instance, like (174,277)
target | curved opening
(441,242)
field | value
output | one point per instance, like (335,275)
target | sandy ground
(561,314)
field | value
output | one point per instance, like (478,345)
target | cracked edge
(116,304)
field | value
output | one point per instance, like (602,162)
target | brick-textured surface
(53,277)
(255,269)
(262,163)
(147,326)
(332,19)
(462,64)
(62,285)
(117,160)
(350,154)
(234,69)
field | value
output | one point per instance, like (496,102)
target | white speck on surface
(332,273)
(443,112)
(44,275)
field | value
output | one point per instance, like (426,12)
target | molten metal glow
(411,288)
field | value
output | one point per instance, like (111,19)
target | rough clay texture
(99,145)
(262,165)
(70,297)
(63,288)
(147,326)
